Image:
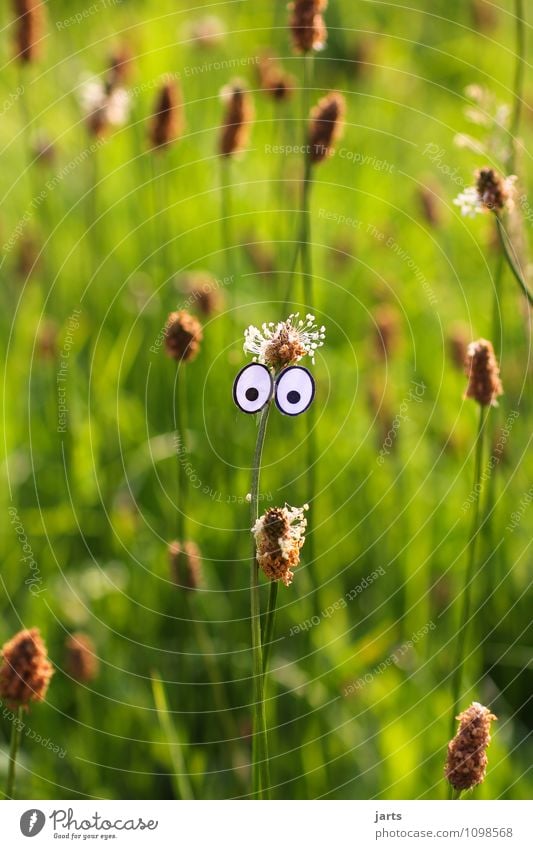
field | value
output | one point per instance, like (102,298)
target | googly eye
(295,390)
(252,388)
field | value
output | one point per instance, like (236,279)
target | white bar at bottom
(268,825)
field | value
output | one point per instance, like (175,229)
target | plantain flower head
(25,670)
(483,372)
(491,193)
(466,763)
(279,535)
(284,343)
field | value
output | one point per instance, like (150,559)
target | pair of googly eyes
(293,391)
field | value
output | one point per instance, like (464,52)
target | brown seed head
(204,292)
(361,58)
(238,116)
(119,67)
(279,536)
(82,662)
(458,345)
(97,123)
(183,335)
(466,763)
(206,32)
(285,348)
(29,29)
(167,120)
(483,372)
(185,563)
(274,80)
(28,256)
(259,253)
(307,25)
(47,334)
(429,204)
(492,190)
(25,671)
(43,150)
(325,126)
(484,15)
(387,331)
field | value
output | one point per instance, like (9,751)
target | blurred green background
(95,267)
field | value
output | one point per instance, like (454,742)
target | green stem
(304,213)
(26,113)
(511,262)
(16,732)
(311,452)
(518,84)
(454,794)
(180,778)
(180,424)
(260,769)
(462,632)
(225,213)
(497,330)
(269,627)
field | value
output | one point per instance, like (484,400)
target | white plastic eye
(252,388)
(295,390)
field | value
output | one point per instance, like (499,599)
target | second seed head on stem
(279,535)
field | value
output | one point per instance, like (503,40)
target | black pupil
(252,394)
(293,396)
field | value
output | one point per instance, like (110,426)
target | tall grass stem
(518,83)
(260,767)
(517,274)
(461,639)
(180,779)
(16,732)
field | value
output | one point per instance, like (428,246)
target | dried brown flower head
(43,150)
(237,120)
(206,32)
(105,106)
(381,410)
(458,345)
(274,80)
(185,563)
(25,671)
(484,15)
(29,29)
(361,58)
(46,346)
(183,335)
(387,331)
(307,25)
(284,343)
(466,763)
(28,256)
(325,126)
(430,206)
(494,192)
(82,662)
(260,254)
(279,536)
(119,67)
(203,291)
(483,372)
(97,124)
(167,120)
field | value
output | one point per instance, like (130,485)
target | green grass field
(95,247)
